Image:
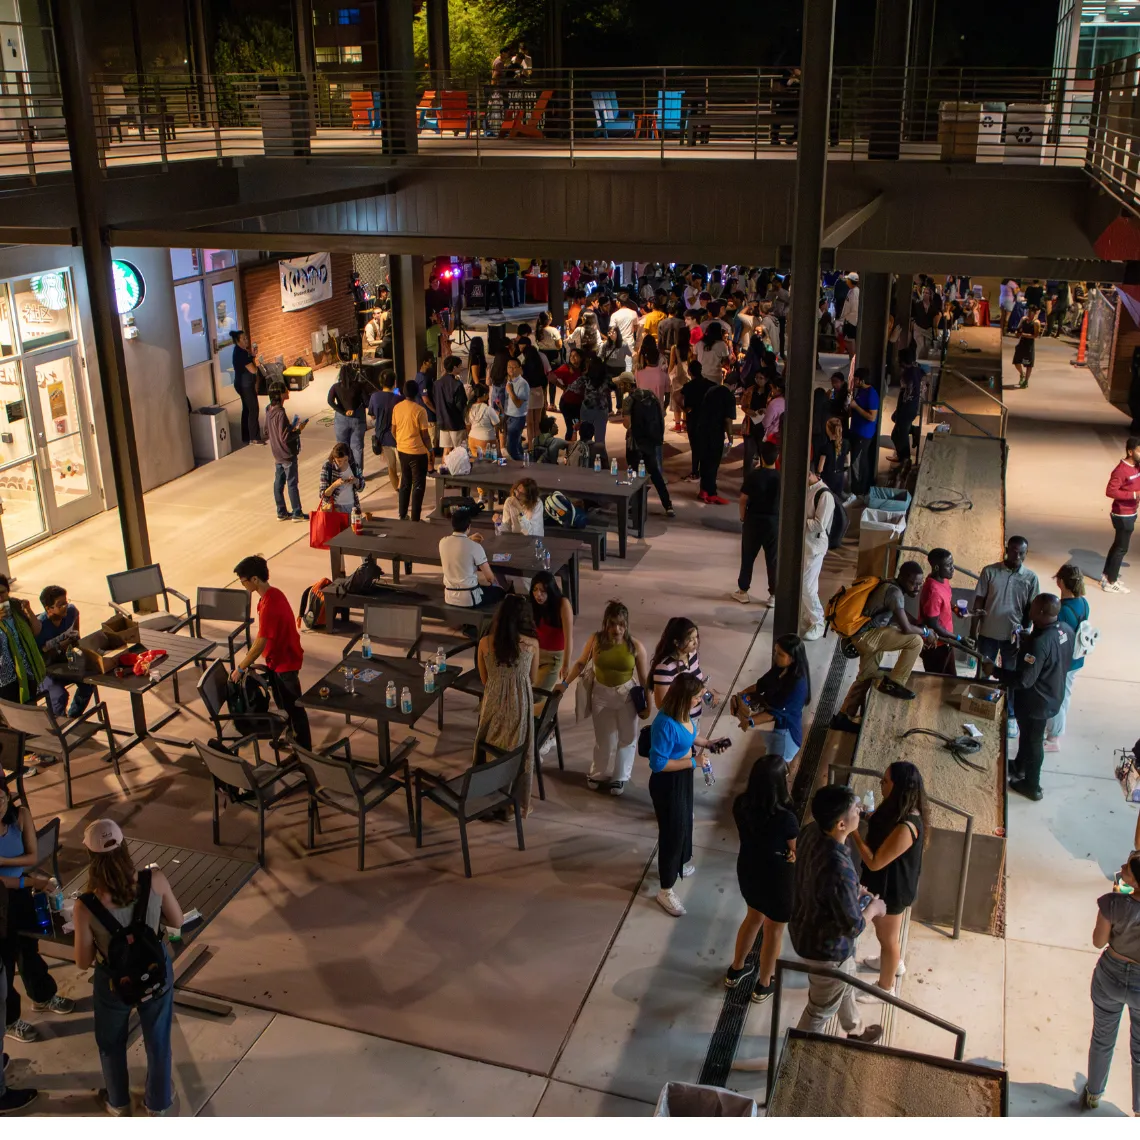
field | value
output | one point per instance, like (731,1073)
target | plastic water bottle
(357,521)
(546,559)
(598,463)
(869,799)
(55,895)
(706,767)
(526,458)
(641,468)
(440,660)
(629,474)
(406,700)
(707,697)
(390,695)
(429,679)
(366,647)
(613,465)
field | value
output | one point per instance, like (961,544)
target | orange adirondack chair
(454,112)
(428,118)
(518,127)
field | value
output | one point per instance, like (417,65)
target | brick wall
(290,334)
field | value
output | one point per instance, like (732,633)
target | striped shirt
(666,670)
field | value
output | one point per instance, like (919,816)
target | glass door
(225,320)
(63,440)
(19,471)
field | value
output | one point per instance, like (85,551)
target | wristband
(21,886)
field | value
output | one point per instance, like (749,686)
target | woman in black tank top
(892,861)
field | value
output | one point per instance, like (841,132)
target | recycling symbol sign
(1024,135)
(222,432)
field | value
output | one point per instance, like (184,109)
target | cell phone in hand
(718,746)
(865,901)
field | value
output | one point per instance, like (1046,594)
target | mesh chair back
(212,689)
(131,585)
(496,776)
(225,768)
(47,841)
(323,772)
(216,604)
(393,623)
(545,723)
(33,720)
(11,750)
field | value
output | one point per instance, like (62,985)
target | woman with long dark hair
(650,373)
(570,377)
(831,463)
(615,354)
(713,352)
(595,407)
(892,863)
(341,480)
(476,361)
(554,627)
(775,704)
(765,869)
(507,659)
(672,758)
(677,652)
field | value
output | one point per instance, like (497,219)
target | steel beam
(409,314)
(75,87)
(799,374)
(557,302)
(439,41)
(843,227)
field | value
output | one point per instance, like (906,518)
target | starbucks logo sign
(129,286)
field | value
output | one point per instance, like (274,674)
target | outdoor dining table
(404,541)
(369,700)
(180,652)
(577,482)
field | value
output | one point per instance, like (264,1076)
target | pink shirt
(655,380)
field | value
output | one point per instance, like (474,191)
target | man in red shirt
(936,611)
(1124,491)
(279,642)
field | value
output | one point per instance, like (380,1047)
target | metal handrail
(964,867)
(838,975)
(940,403)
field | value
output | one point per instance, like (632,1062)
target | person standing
(12,1101)
(693,395)
(644,420)
(760,522)
(381,405)
(864,408)
(1115,983)
(1074,612)
(245,381)
(1028,330)
(925,318)
(516,406)
(1002,597)
(21,663)
(849,315)
(827,918)
(1124,491)
(1037,679)
(936,611)
(341,481)
(348,398)
(1006,300)
(1059,310)
(822,504)
(765,870)
(554,627)
(278,642)
(831,463)
(677,652)
(285,447)
(117,893)
(907,405)
(413,449)
(451,406)
(714,437)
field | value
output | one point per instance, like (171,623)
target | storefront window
(192,323)
(43,309)
(218,259)
(185,263)
(7,326)
(19,482)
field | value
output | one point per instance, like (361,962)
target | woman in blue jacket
(775,704)
(1074,610)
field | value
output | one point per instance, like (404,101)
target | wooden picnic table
(576,482)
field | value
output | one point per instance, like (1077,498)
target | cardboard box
(123,628)
(982,701)
(101,651)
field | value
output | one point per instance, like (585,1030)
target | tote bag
(324,524)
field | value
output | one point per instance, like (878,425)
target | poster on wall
(305,281)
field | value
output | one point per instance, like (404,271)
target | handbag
(1128,776)
(325,523)
(644,739)
(639,699)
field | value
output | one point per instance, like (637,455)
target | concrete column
(409,314)
(202,66)
(903,286)
(871,347)
(75,87)
(889,61)
(439,42)
(398,114)
(552,35)
(811,185)
(304,54)
(557,304)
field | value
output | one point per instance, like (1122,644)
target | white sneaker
(816,632)
(850,500)
(771,602)
(688,870)
(874,999)
(1114,587)
(1011,730)
(741,596)
(669,903)
(875,964)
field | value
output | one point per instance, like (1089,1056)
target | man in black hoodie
(1037,684)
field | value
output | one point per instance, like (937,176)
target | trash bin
(991,126)
(878,530)
(959,125)
(210,433)
(888,499)
(680,1099)
(1027,133)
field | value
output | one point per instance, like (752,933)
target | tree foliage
(253,45)
(478,28)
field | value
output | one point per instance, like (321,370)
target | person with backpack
(1075,613)
(278,641)
(380,407)
(759,522)
(284,441)
(871,614)
(585,449)
(644,420)
(118,925)
(822,506)
(451,406)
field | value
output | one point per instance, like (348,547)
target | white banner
(305,281)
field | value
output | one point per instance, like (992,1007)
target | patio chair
(47,848)
(400,626)
(669,116)
(428,115)
(117,109)
(227,606)
(12,761)
(546,725)
(49,737)
(130,586)
(529,127)
(455,114)
(240,782)
(338,782)
(364,107)
(479,792)
(609,117)
(269,726)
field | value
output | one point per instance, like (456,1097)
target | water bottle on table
(597,463)
(429,679)
(641,468)
(390,695)
(613,466)
(406,700)
(366,647)
(440,660)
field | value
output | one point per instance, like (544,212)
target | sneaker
(850,500)
(593,785)
(894,689)
(761,992)
(284,518)
(771,602)
(874,965)
(1052,744)
(816,632)
(110,1109)
(22,1030)
(58,1004)
(1022,788)
(868,1036)
(670,513)
(732,977)
(617,787)
(719,500)
(1011,729)
(1114,587)
(688,870)
(1088,1101)
(669,903)
(704,497)
(841,722)
(170,1110)
(741,596)
(300,516)
(874,999)
(15,1100)
(1023,383)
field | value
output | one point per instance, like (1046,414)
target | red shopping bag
(326,524)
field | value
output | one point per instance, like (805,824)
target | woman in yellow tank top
(620,664)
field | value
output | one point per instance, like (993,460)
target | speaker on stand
(458,330)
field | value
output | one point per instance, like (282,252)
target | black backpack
(136,959)
(646,420)
(249,695)
(839,520)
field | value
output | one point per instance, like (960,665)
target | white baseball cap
(103,835)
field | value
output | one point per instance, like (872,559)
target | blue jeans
(112,1024)
(56,693)
(350,431)
(286,474)
(1114,985)
(515,425)
(779,742)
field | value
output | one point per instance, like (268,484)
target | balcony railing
(1047,118)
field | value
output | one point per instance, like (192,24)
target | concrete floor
(550,983)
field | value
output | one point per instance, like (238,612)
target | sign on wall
(129,286)
(305,281)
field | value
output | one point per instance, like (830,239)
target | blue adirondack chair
(609,118)
(669,116)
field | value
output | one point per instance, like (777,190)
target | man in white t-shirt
(467,579)
(517,403)
(627,323)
